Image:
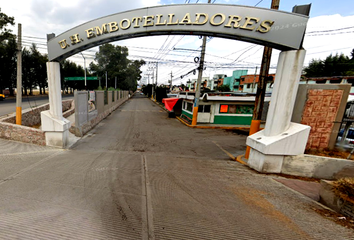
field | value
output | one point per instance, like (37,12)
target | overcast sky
(40,17)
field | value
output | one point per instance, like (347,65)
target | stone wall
(22,133)
(30,117)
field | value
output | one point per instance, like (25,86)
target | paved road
(141,175)
(9,105)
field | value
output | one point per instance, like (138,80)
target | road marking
(147,217)
(229,154)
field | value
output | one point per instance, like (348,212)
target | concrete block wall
(81,113)
(321,106)
(102,111)
(100,101)
(320,113)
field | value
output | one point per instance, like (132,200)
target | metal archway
(276,29)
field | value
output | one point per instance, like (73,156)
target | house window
(248,85)
(236,109)
(204,108)
(188,106)
(224,108)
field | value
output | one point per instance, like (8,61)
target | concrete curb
(337,203)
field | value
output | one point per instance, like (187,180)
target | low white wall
(305,165)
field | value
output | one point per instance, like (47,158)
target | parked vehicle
(2,97)
(350,136)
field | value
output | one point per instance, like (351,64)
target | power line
(322,34)
(332,30)
(258,3)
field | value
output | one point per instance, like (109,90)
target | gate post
(55,126)
(280,136)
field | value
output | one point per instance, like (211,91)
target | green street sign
(79,78)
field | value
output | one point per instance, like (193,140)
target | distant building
(193,83)
(249,83)
(233,82)
(216,81)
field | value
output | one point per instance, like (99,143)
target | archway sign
(276,29)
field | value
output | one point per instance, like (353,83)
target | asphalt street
(142,175)
(8,105)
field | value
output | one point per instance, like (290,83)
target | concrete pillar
(280,137)
(56,127)
(286,83)
(54,89)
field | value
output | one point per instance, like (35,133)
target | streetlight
(84,67)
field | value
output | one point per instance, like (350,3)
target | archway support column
(55,126)
(280,137)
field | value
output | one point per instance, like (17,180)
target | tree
(8,65)
(7,54)
(71,69)
(4,21)
(39,69)
(315,68)
(337,65)
(114,60)
(223,88)
(133,75)
(27,78)
(34,72)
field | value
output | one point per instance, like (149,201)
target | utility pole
(115,83)
(19,77)
(261,87)
(254,79)
(157,63)
(152,87)
(106,81)
(197,90)
(84,69)
(148,82)
(171,81)
(200,75)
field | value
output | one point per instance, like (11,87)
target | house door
(204,113)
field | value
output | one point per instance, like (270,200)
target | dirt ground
(336,217)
